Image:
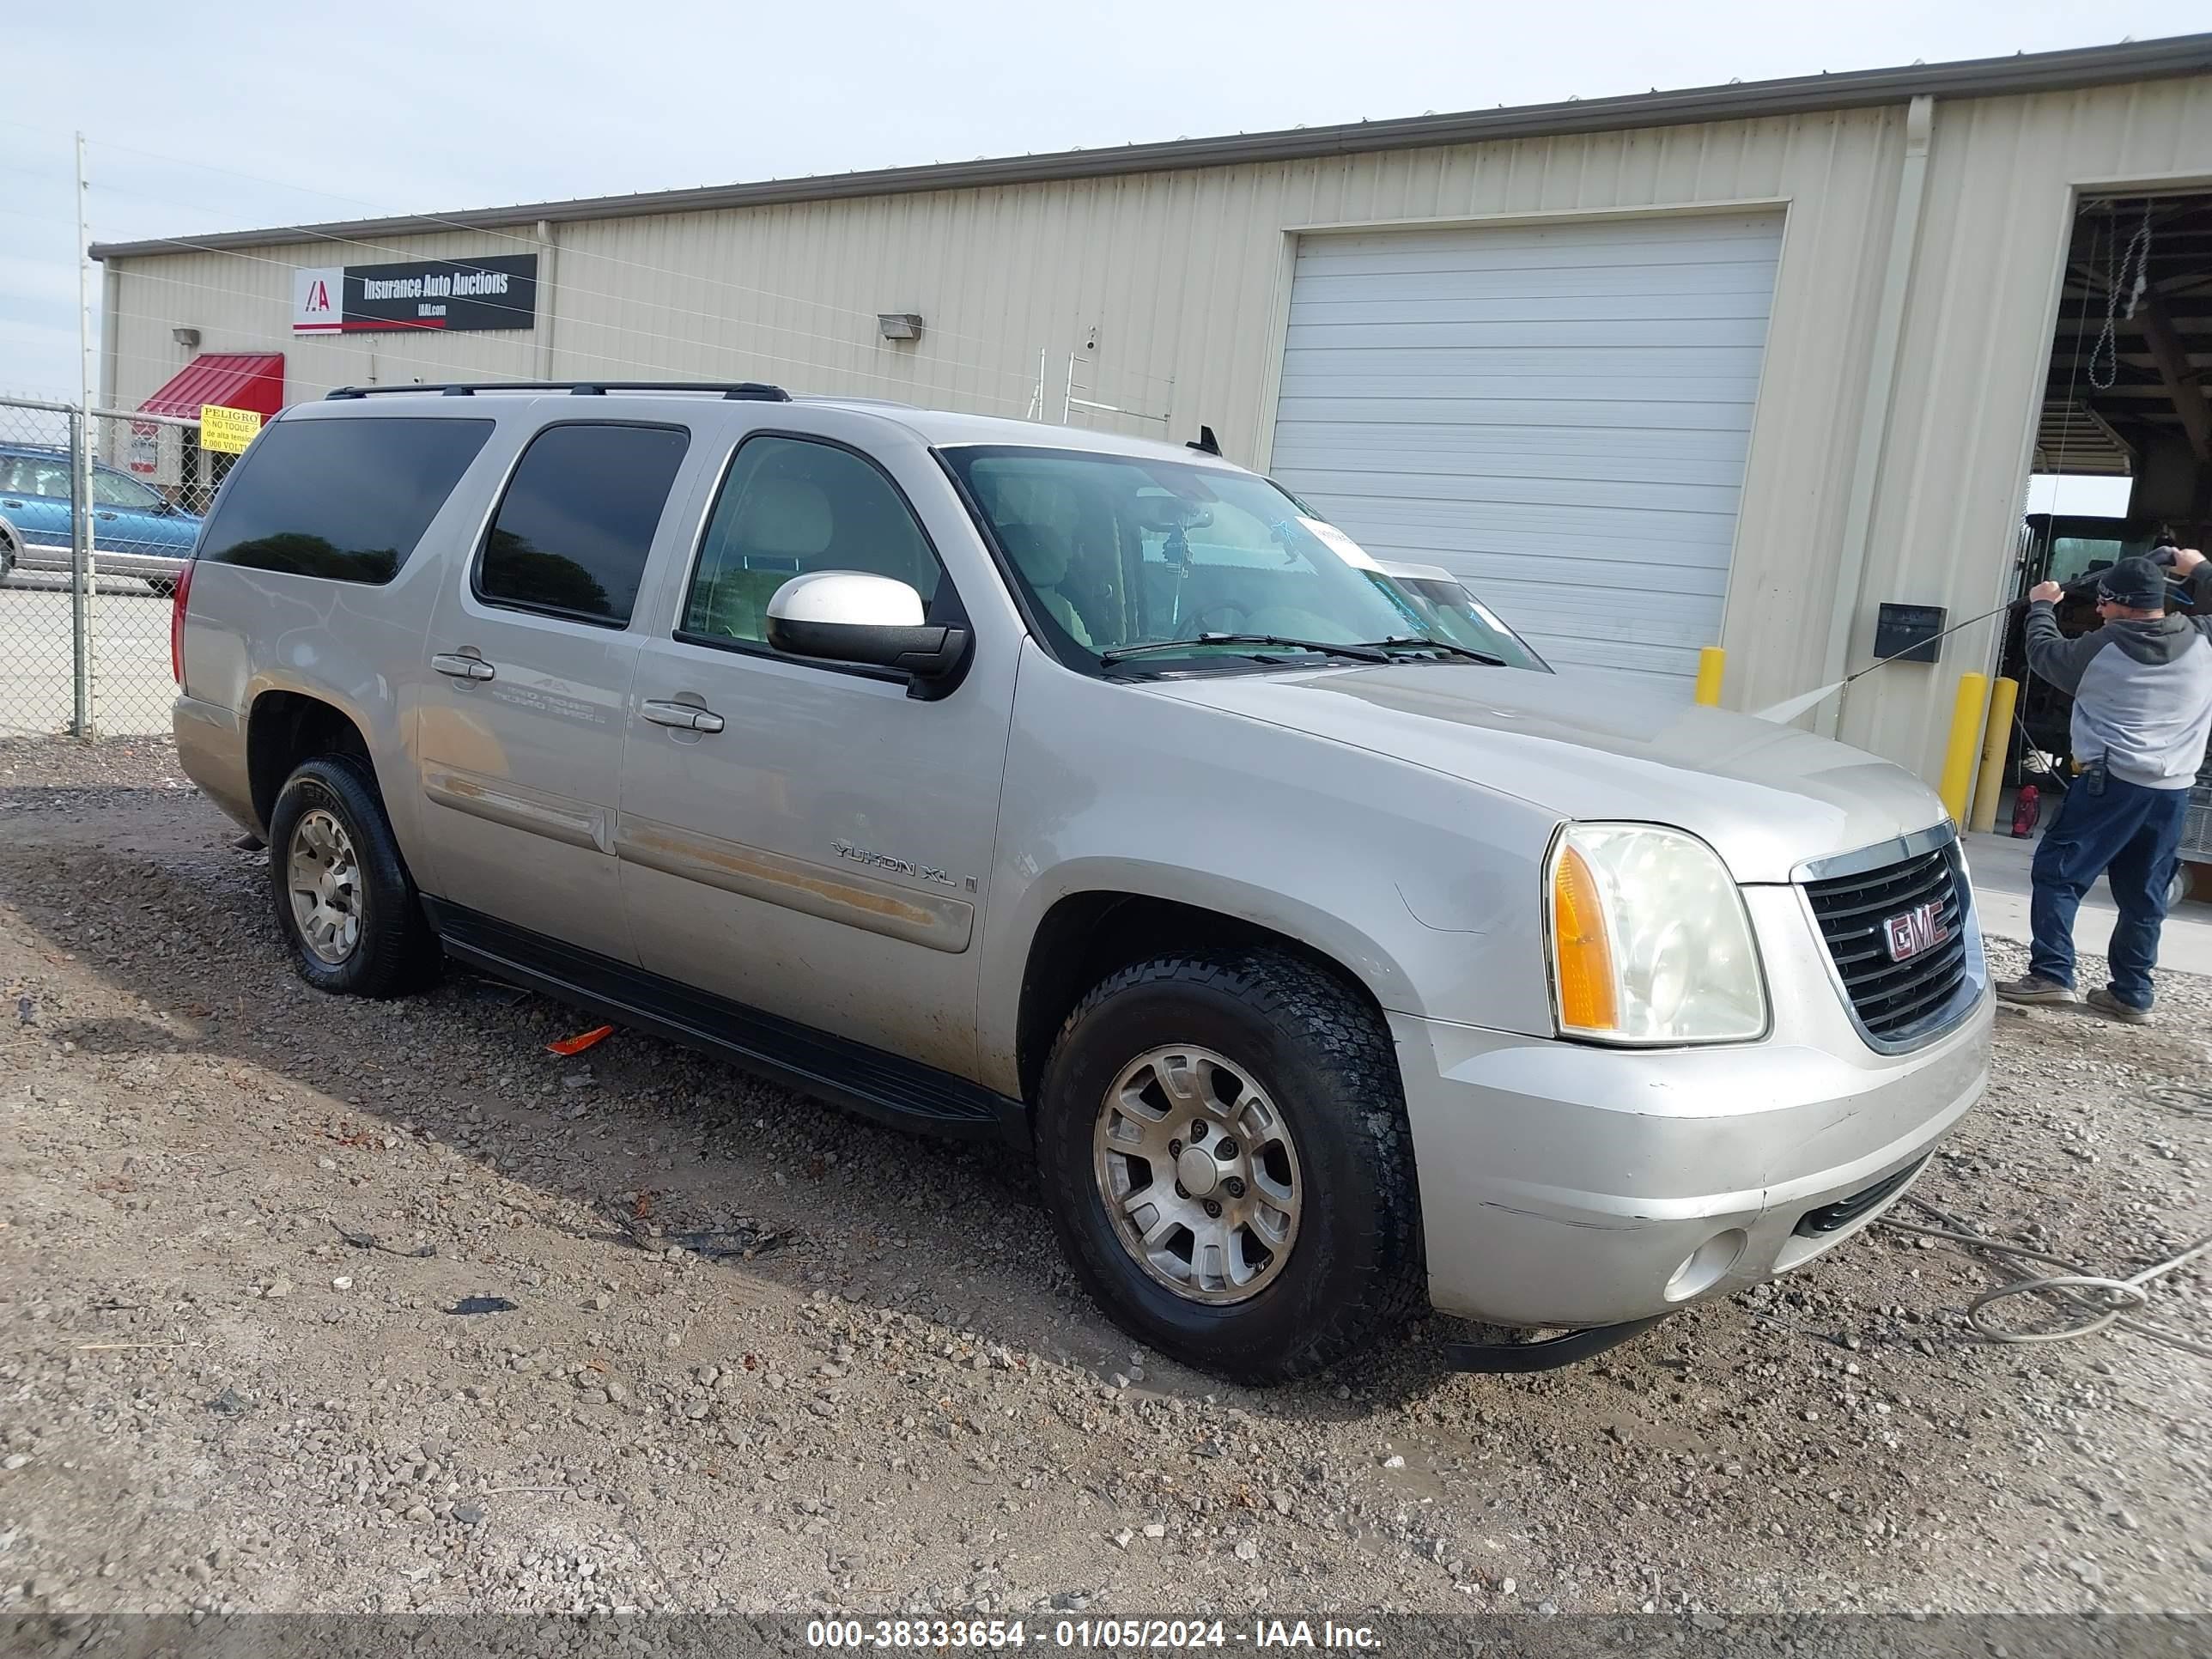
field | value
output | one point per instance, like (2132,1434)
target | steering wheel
(1221,618)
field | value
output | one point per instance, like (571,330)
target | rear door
(530,653)
(34,493)
(817,844)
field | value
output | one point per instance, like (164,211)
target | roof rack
(748,392)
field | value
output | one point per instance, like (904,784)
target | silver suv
(1096,796)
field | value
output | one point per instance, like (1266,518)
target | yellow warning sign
(228,431)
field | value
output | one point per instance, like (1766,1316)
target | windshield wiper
(1149,648)
(1422,642)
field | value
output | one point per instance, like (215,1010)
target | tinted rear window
(347,500)
(572,532)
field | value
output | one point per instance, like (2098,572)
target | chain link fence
(86,573)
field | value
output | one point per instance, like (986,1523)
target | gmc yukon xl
(1093,795)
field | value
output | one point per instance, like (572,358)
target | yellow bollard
(1712,662)
(1996,740)
(1965,737)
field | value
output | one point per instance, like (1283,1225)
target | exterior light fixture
(899,325)
(187,337)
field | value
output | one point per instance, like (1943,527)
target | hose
(2076,1285)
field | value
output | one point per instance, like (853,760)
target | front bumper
(1570,1185)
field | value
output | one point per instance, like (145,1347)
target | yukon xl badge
(1918,929)
(845,849)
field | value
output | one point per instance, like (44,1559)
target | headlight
(1650,941)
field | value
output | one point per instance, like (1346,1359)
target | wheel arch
(1088,932)
(284,728)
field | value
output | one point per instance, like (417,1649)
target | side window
(573,532)
(50,478)
(346,499)
(113,489)
(790,506)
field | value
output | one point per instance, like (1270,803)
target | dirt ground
(738,1351)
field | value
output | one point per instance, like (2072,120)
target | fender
(1371,861)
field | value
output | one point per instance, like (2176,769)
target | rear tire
(1299,1245)
(162,587)
(351,919)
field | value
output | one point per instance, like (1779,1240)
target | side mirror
(848,616)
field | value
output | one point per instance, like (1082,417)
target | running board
(871,1082)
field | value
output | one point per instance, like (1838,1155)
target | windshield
(1119,552)
(1450,612)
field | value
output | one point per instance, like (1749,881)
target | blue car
(136,530)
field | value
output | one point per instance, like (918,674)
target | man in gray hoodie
(2143,713)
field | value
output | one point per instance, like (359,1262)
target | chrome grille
(1894,1001)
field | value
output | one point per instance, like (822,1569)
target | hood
(2157,641)
(1765,797)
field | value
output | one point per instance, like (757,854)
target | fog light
(1704,1265)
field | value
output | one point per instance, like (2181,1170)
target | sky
(252,114)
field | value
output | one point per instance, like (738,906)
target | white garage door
(1558,414)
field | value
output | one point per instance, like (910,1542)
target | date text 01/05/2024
(1092,1634)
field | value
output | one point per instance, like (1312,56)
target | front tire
(351,919)
(1221,1139)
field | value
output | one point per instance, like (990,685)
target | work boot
(2112,1007)
(2033,989)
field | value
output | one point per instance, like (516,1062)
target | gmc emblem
(1918,929)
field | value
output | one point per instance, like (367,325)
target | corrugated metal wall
(1172,291)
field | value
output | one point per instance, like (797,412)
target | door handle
(459,667)
(110,517)
(683,716)
(18,506)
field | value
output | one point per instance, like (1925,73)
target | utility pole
(80,519)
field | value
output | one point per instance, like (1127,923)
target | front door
(531,652)
(808,840)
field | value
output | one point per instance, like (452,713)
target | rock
(468,1513)
(341,1283)
(1121,1539)
(13,1461)
(1394,1461)
(1505,1587)
(1155,1530)
(1248,1549)
(277,1288)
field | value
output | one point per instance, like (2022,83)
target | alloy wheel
(1198,1172)
(323,877)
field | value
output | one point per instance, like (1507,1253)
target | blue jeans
(2106,826)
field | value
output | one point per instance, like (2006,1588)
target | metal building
(1734,365)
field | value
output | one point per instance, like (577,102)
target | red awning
(231,379)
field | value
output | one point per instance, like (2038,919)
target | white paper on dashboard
(1341,545)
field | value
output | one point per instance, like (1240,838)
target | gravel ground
(735,1350)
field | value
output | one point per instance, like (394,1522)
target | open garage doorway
(2123,444)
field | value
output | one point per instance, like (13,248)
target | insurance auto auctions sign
(497,292)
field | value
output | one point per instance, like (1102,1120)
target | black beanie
(2135,583)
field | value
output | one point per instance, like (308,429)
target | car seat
(1041,553)
(783,526)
